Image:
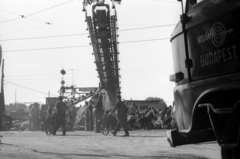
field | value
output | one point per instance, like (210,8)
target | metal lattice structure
(103,33)
(89,2)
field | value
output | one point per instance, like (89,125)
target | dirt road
(89,145)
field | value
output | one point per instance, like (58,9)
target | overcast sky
(52,36)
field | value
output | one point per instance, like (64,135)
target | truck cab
(206,61)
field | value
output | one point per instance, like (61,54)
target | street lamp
(62,89)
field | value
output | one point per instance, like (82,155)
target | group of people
(148,117)
(127,117)
(94,113)
(58,113)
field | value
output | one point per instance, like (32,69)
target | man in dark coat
(72,116)
(87,116)
(61,109)
(35,117)
(42,115)
(121,116)
(50,118)
(91,104)
(97,114)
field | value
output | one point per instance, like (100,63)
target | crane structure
(102,27)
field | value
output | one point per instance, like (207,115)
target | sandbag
(79,120)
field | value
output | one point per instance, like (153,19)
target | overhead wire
(55,75)
(124,42)
(58,36)
(158,26)
(67,47)
(48,8)
(23,17)
(9,20)
(16,74)
(8,12)
(28,88)
(23,30)
(48,23)
(26,17)
(44,71)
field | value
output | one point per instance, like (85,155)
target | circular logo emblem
(218,34)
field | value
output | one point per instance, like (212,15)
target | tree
(153,99)
(162,103)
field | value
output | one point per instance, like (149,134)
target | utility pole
(2,101)
(15,99)
(72,76)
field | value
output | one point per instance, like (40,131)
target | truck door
(213,37)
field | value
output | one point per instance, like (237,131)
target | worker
(132,109)
(42,115)
(30,118)
(50,110)
(87,116)
(72,115)
(121,116)
(91,103)
(34,117)
(97,114)
(61,109)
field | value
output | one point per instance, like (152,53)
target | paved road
(89,145)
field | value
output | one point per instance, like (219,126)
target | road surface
(142,144)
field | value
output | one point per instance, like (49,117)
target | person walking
(121,116)
(61,109)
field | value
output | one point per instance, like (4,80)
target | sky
(39,38)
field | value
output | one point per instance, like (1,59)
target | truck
(206,62)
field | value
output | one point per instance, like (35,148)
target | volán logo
(217,35)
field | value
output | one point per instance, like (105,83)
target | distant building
(143,104)
(16,107)
(51,100)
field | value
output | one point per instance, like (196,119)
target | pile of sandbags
(79,120)
(157,124)
(24,126)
